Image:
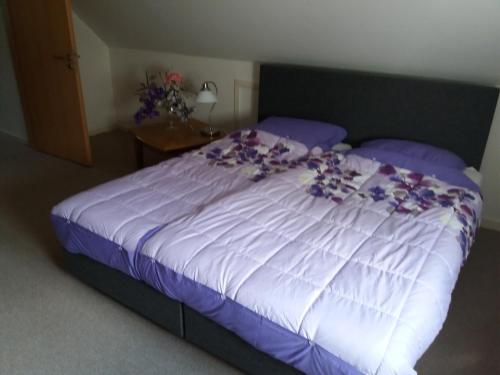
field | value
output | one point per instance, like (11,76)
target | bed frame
(451,115)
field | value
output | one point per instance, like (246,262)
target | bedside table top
(183,135)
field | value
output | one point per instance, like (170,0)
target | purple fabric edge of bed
(258,331)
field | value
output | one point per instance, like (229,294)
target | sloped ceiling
(457,39)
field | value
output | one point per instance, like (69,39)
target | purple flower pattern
(414,194)
(330,181)
(405,192)
(247,148)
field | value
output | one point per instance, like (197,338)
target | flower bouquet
(168,94)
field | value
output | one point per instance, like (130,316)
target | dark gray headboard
(450,115)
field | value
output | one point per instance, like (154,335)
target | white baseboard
(489,223)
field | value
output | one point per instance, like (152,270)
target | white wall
(456,39)
(490,168)
(11,114)
(95,73)
(128,70)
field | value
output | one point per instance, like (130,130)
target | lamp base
(210,132)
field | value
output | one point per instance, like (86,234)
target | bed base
(175,317)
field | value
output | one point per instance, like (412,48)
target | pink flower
(171,77)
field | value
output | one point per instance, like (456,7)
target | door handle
(70,59)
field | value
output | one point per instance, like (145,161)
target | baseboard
(15,136)
(490,224)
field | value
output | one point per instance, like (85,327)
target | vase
(171,119)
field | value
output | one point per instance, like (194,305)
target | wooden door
(46,65)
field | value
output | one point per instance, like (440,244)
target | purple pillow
(418,150)
(308,132)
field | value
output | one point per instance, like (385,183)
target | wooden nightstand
(170,140)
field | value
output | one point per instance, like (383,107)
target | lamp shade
(206,95)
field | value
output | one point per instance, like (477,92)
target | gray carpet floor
(50,323)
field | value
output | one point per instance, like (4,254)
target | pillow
(418,150)
(310,133)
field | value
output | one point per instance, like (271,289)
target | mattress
(111,222)
(342,265)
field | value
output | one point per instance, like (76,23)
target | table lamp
(206,96)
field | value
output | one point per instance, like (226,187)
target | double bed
(279,260)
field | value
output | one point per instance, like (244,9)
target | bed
(450,115)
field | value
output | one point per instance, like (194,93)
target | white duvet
(357,257)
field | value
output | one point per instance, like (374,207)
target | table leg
(139,154)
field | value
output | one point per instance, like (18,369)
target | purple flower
(280,148)
(332,185)
(402,210)
(462,239)
(377,193)
(251,152)
(252,142)
(466,209)
(311,164)
(427,194)
(415,176)
(387,169)
(337,200)
(316,190)
(469,196)
(462,219)
(252,134)
(377,198)
(424,206)
(353,173)
(445,203)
